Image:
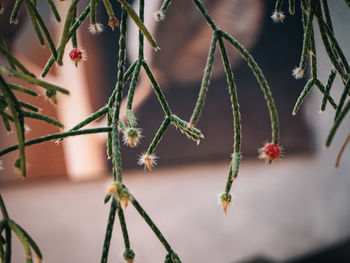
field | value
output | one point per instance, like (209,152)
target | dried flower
(277,16)
(270,152)
(124,197)
(298,73)
(225,201)
(113,22)
(95,28)
(112,189)
(159,16)
(132,136)
(77,55)
(148,160)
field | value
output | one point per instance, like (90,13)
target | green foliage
(14,111)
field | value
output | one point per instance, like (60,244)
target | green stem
(133,83)
(55,137)
(65,32)
(72,31)
(54,10)
(327,14)
(74,36)
(327,90)
(158,135)
(164,6)
(16,113)
(157,89)
(139,23)
(307,38)
(22,89)
(109,8)
(278,5)
(34,22)
(93,12)
(14,61)
(205,15)
(149,221)
(109,230)
(4,46)
(336,123)
(292,7)
(303,95)
(8,234)
(342,98)
(205,82)
(30,79)
(233,171)
(322,89)
(263,84)
(22,239)
(42,117)
(123,226)
(31,242)
(14,13)
(119,86)
(234,99)
(43,27)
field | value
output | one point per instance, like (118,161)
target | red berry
(76,55)
(270,152)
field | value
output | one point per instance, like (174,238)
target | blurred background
(293,211)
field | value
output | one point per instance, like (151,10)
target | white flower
(95,28)
(148,160)
(159,16)
(298,73)
(277,16)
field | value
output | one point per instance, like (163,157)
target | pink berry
(76,55)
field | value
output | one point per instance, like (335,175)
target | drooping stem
(263,84)
(118,96)
(205,82)
(109,230)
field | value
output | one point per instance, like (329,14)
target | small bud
(225,201)
(2,10)
(129,255)
(18,168)
(148,160)
(159,16)
(270,152)
(298,73)
(39,260)
(277,16)
(132,137)
(95,28)
(1,165)
(77,55)
(51,95)
(124,197)
(113,22)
